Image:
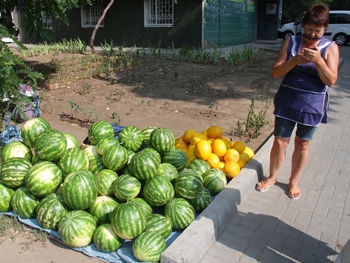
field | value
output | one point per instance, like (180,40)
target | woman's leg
(299,159)
(277,156)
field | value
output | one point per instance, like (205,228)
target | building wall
(124,24)
(229,22)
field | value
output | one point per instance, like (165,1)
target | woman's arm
(327,69)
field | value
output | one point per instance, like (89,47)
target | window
(47,21)
(343,19)
(91,14)
(159,13)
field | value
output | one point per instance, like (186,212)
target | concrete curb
(197,238)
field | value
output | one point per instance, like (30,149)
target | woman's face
(313,33)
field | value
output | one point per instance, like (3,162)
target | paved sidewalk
(269,227)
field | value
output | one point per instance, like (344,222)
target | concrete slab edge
(197,238)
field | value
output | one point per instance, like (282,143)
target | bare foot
(263,186)
(294,191)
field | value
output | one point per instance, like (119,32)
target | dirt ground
(178,95)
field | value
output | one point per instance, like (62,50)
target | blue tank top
(302,96)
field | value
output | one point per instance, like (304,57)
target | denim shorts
(284,129)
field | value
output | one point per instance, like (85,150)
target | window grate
(159,13)
(91,14)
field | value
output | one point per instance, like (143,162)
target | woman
(309,64)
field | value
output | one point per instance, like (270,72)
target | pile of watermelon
(135,186)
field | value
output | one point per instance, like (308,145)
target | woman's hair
(317,14)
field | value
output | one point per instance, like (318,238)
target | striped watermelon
(188,184)
(80,189)
(148,247)
(73,159)
(43,178)
(146,135)
(50,145)
(76,228)
(176,157)
(6,195)
(154,152)
(96,165)
(144,165)
(162,139)
(131,138)
(214,180)
(160,224)
(15,149)
(24,203)
(202,201)
(102,208)
(50,211)
(115,157)
(145,207)
(72,141)
(158,191)
(91,152)
(104,143)
(180,213)
(105,178)
(168,171)
(105,239)
(99,130)
(14,170)
(199,166)
(32,128)
(126,187)
(128,221)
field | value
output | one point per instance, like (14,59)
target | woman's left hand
(311,54)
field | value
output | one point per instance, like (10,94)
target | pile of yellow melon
(218,151)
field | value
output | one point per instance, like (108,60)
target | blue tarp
(122,255)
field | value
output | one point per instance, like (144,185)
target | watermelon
(148,247)
(43,178)
(180,213)
(168,171)
(6,195)
(162,140)
(154,152)
(199,166)
(105,239)
(50,145)
(115,157)
(106,142)
(188,184)
(72,141)
(102,208)
(105,178)
(131,138)
(128,221)
(146,135)
(96,165)
(80,189)
(99,130)
(50,210)
(32,128)
(15,149)
(214,180)
(176,157)
(144,165)
(24,203)
(158,191)
(76,228)
(73,159)
(145,207)
(126,187)
(14,170)
(202,201)
(160,224)
(91,152)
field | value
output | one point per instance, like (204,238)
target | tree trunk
(92,39)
